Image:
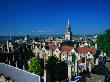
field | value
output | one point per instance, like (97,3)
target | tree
(100,69)
(67,43)
(73,57)
(103,42)
(57,69)
(37,66)
(92,43)
(36,39)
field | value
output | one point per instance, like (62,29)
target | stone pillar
(45,75)
(69,71)
(85,62)
(9,62)
(29,62)
(7,46)
(45,71)
(90,66)
(76,68)
(2,47)
(16,64)
(96,62)
(6,58)
(13,57)
(23,67)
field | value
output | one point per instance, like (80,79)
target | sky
(41,17)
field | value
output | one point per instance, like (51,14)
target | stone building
(87,56)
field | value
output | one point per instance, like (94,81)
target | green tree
(36,66)
(57,69)
(103,42)
(92,43)
(73,57)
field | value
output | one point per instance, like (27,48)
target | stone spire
(68,26)
(68,22)
(68,34)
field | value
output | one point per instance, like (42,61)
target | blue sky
(35,17)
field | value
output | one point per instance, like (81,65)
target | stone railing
(18,75)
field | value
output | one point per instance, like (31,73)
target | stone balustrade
(18,75)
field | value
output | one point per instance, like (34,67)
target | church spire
(68,22)
(68,34)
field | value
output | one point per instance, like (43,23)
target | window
(88,54)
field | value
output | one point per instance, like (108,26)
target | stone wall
(18,75)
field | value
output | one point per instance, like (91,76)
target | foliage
(36,66)
(85,73)
(103,42)
(58,69)
(67,43)
(100,69)
(36,39)
(97,54)
(73,57)
(92,43)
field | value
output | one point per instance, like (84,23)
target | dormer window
(88,54)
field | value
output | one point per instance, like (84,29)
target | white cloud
(45,31)
(41,31)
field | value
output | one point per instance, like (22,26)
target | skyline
(51,16)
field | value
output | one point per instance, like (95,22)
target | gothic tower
(68,34)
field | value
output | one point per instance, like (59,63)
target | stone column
(85,62)
(69,71)
(16,64)
(96,62)
(2,47)
(46,78)
(90,66)
(45,75)
(45,72)
(9,62)
(13,57)
(76,68)
(7,43)
(23,67)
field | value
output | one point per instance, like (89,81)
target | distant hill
(40,36)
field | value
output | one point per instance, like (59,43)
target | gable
(57,50)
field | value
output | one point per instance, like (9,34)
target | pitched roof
(63,48)
(52,47)
(66,48)
(86,50)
